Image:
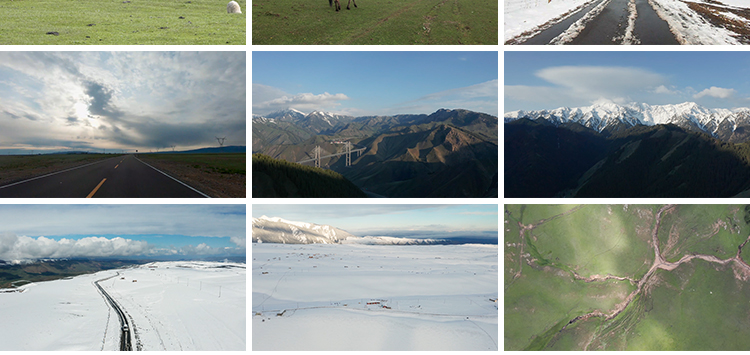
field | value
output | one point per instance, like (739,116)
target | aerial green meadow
(589,278)
(121,22)
(393,22)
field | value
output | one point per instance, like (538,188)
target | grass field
(703,229)
(121,22)
(215,174)
(19,167)
(376,22)
(696,305)
(229,163)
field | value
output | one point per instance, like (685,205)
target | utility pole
(221,142)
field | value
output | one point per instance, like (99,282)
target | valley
(449,153)
(614,151)
(626,277)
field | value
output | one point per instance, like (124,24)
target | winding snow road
(125,344)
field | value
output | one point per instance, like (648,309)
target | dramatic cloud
(267,99)
(481,97)
(61,231)
(188,220)
(13,247)
(582,85)
(720,93)
(121,100)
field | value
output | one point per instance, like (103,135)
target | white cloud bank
(267,99)
(720,93)
(15,248)
(581,85)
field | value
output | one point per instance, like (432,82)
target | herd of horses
(338,5)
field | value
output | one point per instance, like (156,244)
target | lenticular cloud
(16,248)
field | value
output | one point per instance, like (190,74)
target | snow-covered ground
(173,306)
(421,297)
(687,25)
(525,15)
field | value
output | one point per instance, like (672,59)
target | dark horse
(338,6)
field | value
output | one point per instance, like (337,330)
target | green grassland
(703,229)
(20,274)
(120,22)
(595,241)
(215,163)
(699,305)
(376,22)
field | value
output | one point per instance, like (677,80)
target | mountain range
(565,158)
(449,153)
(278,230)
(724,124)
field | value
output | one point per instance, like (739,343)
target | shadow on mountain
(643,161)
(467,171)
(280,178)
(541,159)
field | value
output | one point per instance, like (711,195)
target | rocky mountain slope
(449,153)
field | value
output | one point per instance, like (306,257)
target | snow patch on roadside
(688,26)
(537,15)
(629,38)
(575,29)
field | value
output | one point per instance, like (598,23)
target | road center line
(96,188)
(117,166)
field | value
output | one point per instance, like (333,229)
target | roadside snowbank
(525,15)
(688,26)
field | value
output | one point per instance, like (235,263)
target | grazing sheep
(233,8)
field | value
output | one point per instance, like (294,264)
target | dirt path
(659,263)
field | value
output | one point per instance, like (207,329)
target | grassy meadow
(376,22)
(698,305)
(215,163)
(120,22)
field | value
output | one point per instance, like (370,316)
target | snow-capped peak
(603,115)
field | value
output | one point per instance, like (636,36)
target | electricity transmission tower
(348,153)
(316,151)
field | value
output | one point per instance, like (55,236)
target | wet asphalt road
(610,25)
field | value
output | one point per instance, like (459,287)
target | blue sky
(61,101)
(387,219)
(375,83)
(547,80)
(59,231)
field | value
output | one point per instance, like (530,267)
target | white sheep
(233,8)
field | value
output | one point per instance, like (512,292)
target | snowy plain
(374,297)
(171,306)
